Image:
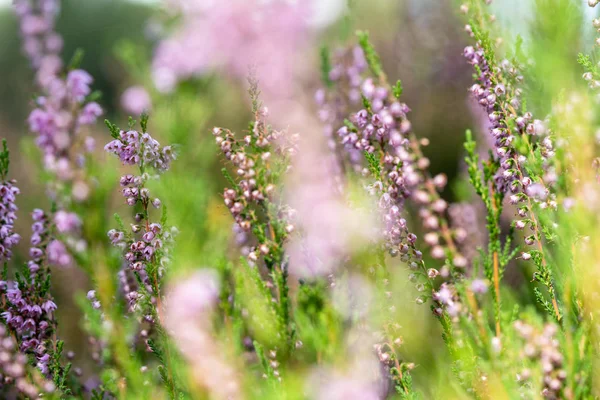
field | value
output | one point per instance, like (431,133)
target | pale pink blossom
(135,100)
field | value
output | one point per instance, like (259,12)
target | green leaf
(76,59)
(115,132)
(374,165)
(325,67)
(370,53)
(144,121)
(397,89)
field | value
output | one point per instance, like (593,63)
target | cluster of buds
(543,347)
(388,344)
(8,209)
(29,308)
(524,150)
(596,24)
(91,296)
(254,190)
(446,299)
(274,364)
(129,287)
(41,44)
(134,148)
(469,233)
(497,94)
(45,247)
(14,371)
(440,236)
(57,120)
(334,105)
(142,249)
(146,245)
(382,131)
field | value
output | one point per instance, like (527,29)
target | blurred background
(420,42)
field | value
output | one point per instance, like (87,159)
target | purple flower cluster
(29,308)
(91,296)
(8,209)
(495,91)
(146,247)
(130,288)
(200,45)
(145,255)
(139,252)
(41,44)
(57,119)
(335,105)
(383,129)
(14,370)
(446,299)
(141,150)
(62,109)
(466,220)
(134,148)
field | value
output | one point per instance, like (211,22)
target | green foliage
(374,165)
(114,129)
(76,59)
(370,53)
(483,38)
(144,121)
(4,160)
(397,89)
(325,67)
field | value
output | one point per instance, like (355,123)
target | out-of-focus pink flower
(328,226)
(187,314)
(135,100)
(66,222)
(57,254)
(347,388)
(230,36)
(192,298)
(360,380)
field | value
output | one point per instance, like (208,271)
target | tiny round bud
(432,273)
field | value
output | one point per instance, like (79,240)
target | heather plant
(316,251)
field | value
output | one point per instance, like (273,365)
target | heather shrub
(268,214)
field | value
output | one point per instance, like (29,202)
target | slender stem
(475,309)
(497,291)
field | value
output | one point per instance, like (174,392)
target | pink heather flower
(61,109)
(231,36)
(328,227)
(193,297)
(66,222)
(135,100)
(344,388)
(537,191)
(90,113)
(187,316)
(362,379)
(78,84)
(479,286)
(8,209)
(57,254)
